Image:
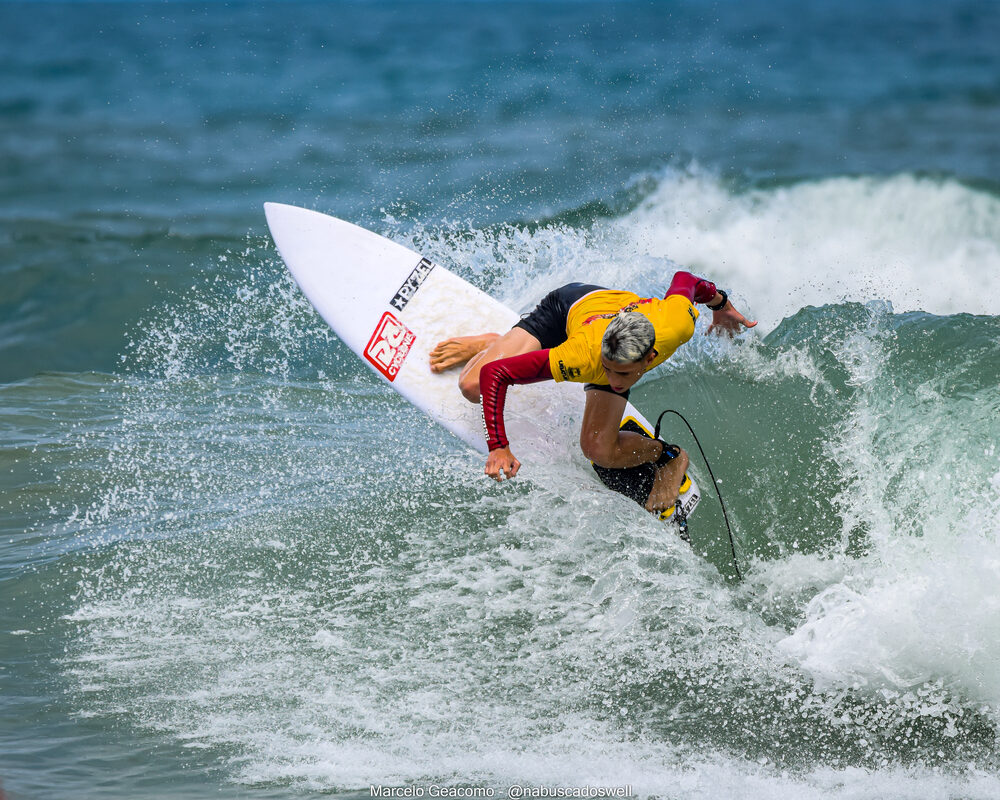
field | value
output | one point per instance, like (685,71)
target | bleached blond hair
(628,338)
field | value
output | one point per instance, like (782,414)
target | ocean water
(234,564)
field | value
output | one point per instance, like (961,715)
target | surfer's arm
(699,290)
(494,378)
(695,289)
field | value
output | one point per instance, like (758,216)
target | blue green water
(234,564)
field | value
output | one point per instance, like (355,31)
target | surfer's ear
(651,355)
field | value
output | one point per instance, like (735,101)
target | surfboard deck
(391,306)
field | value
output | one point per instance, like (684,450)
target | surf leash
(715,483)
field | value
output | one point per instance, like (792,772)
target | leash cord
(715,483)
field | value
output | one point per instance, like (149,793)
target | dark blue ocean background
(234,564)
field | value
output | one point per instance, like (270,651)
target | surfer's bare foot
(454,352)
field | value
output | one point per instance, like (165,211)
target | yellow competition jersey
(579,357)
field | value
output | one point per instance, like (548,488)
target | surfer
(604,339)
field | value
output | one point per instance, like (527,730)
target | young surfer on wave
(603,338)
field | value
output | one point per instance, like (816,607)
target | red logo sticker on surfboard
(389,345)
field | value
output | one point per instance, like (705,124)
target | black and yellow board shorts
(634,482)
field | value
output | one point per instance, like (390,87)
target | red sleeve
(495,377)
(695,289)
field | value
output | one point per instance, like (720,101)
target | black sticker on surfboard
(411,284)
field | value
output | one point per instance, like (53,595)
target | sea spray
(925,243)
(314,572)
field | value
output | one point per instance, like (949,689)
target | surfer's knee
(469,386)
(596,449)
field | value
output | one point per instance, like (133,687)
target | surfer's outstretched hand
(501,462)
(728,320)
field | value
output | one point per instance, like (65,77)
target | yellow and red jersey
(578,359)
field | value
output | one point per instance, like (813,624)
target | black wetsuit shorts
(547,322)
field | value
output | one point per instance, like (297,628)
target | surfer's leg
(543,328)
(618,451)
(459,349)
(513,343)
(667,485)
(601,437)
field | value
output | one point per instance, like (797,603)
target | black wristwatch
(720,305)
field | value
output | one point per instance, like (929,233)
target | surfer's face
(622,377)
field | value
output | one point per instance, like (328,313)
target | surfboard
(391,306)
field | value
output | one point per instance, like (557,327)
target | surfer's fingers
(500,464)
(730,323)
(503,469)
(508,469)
(740,319)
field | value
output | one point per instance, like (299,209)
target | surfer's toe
(448,354)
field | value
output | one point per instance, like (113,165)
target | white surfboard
(391,306)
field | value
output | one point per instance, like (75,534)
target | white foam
(921,610)
(922,243)
(515,634)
